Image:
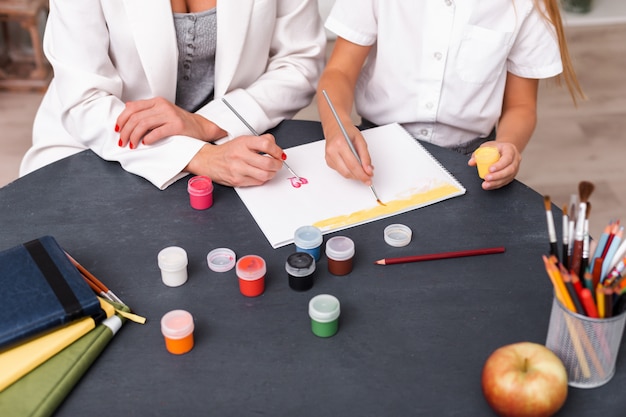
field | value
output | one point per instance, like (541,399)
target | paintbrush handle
(346,137)
(577,253)
(254,132)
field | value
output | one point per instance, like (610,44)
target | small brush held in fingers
(345,135)
(254,132)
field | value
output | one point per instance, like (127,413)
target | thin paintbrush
(565,260)
(551,230)
(585,188)
(573,203)
(584,262)
(345,135)
(94,282)
(254,132)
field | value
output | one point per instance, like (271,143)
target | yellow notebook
(19,360)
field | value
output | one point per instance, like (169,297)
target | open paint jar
(251,271)
(340,252)
(308,239)
(177,329)
(221,259)
(397,235)
(324,313)
(300,267)
(200,189)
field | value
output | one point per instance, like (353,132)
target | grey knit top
(197,38)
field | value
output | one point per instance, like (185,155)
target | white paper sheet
(406,177)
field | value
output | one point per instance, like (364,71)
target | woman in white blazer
(115,61)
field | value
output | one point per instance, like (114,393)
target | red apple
(524,380)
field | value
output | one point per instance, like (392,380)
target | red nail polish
(119,143)
(130,145)
(117,128)
(283,156)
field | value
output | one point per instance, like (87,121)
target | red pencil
(443,255)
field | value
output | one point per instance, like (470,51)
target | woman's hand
(154,119)
(241,162)
(504,171)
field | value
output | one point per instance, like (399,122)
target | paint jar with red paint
(251,271)
(300,267)
(177,329)
(340,252)
(308,239)
(200,189)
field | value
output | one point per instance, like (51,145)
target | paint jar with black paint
(300,267)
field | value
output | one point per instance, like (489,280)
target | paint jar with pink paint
(339,254)
(200,189)
(251,271)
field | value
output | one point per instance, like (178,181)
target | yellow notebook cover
(17,361)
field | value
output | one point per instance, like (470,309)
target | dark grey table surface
(412,339)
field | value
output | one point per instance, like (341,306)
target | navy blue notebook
(40,289)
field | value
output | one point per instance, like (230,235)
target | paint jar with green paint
(324,313)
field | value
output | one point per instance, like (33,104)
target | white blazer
(104,53)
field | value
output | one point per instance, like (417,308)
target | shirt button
(429,105)
(424,132)
(438,56)
(448,2)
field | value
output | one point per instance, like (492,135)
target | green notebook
(41,391)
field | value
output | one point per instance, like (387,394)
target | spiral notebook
(406,177)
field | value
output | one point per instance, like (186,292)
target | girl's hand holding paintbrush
(339,156)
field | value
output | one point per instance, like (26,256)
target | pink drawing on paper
(298,182)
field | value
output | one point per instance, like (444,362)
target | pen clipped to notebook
(254,132)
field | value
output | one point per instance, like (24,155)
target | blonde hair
(553,15)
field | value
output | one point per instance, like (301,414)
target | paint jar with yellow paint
(485,157)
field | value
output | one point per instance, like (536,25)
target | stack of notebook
(52,327)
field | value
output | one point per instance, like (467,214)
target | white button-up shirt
(439,67)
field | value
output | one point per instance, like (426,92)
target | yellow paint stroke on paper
(390,207)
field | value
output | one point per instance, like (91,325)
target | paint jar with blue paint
(300,267)
(324,313)
(308,239)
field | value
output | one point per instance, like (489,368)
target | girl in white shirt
(449,71)
(140,82)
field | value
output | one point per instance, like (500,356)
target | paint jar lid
(177,324)
(300,264)
(324,308)
(251,267)
(397,235)
(172,258)
(200,185)
(307,237)
(221,259)
(340,248)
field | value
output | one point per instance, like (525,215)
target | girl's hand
(339,156)
(504,171)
